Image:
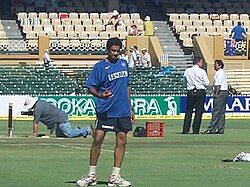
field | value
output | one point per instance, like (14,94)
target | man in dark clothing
(196,81)
(54,118)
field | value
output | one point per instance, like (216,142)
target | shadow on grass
(98,182)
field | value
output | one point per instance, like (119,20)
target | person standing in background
(217,124)
(47,61)
(148,27)
(146,58)
(196,81)
(238,33)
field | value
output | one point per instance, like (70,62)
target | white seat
(124,16)
(104,16)
(194,17)
(73,15)
(184,16)
(97,22)
(234,17)
(173,17)
(53,15)
(32,15)
(21,15)
(188,42)
(244,17)
(43,15)
(135,16)
(224,17)
(84,16)
(204,17)
(94,15)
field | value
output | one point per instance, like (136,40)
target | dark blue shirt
(114,77)
(238,32)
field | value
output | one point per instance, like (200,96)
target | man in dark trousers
(109,83)
(196,81)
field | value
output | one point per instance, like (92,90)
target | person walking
(108,82)
(217,124)
(54,118)
(196,81)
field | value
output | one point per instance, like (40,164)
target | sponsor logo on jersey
(107,127)
(117,75)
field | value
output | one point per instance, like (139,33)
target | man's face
(113,53)
(200,63)
(216,66)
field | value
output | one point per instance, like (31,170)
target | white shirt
(129,60)
(146,60)
(46,58)
(195,77)
(220,79)
(136,56)
(124,57)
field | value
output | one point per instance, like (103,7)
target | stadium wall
(156,107)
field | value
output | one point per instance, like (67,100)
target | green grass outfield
(173,161)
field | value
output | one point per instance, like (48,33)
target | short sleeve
(37,116)
(218,79)
(94,77)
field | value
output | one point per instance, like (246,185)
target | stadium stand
(35,80)
(75,26)
(145,81)
(80,27)
(188,25)
(239,80)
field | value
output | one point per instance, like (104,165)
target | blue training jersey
(114,77)
(238,32)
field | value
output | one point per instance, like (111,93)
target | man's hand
(215,95)
(33,136)
(107,94)
(132,117)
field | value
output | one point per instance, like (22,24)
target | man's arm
(205,80)
(131,109)
(35,129)
(217,90)
(104,95)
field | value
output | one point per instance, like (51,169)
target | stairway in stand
(171,47)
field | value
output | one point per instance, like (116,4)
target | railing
(56,46)
(26,46)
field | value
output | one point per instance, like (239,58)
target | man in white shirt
(135,57)
(146,58)
(217,124)
(46,59)
(196,81)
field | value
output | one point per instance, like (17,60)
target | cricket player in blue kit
(108,82)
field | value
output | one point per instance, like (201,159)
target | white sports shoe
(118,181)
(89,180)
